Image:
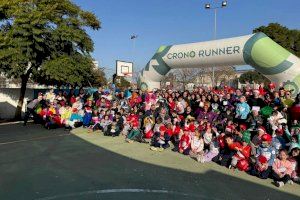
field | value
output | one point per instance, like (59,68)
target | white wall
(9,100)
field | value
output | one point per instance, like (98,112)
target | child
(241,158)
(134,133)
(260,168)
(268,151)
(148,124)
(160,140)
(256,140)
(294,159)
(242,109)
(185,142)
(282,169)
(87,118)
(213,152)
(197,146)
(75,120)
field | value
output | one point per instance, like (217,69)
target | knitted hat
(262,159)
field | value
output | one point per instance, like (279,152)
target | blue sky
(166,22)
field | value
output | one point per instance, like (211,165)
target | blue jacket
(76,116)
(242,110)
(269,152)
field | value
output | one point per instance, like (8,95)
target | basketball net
(128,76)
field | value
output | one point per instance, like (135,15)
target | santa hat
(243,127)
(135,124)
(162,128)
(261,128)
(272,85)
(266,138)
(192,127)
(229,128)
(279,131)
(181,117)
(186,129)
(262,159)
(243,165)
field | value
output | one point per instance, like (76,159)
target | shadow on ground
(67,167)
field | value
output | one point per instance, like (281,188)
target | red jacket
(169,132)
(185,142)
(172,105)
(245,152)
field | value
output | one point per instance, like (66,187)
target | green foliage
(287,38)
(45,40)
(122,82)
(98,78)
(253,76)
(77,70)
(34,32)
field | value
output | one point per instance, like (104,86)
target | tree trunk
(18,113)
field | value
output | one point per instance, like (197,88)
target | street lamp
(215,8)
(133,37)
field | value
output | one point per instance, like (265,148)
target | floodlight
(207,6)
(224,3)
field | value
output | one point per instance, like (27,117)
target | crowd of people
(252,130)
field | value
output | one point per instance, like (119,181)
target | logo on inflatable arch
(291,86)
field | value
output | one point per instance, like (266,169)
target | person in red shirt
(241,158)
(185,142)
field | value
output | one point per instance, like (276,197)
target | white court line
(11,123)
(33,139)
(110,191)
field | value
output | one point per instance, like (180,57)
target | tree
(253,77)
(98,78)
(185,76)
(45,39)
(122,82)
(224,73)
(287,38)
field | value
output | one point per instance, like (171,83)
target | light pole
(133,38)
(215,8)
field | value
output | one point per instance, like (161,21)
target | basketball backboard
(124,68)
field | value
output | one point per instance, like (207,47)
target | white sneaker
(279,183)
(153,148)
(161,149)
(290,182)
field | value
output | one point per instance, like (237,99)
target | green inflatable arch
(257,50)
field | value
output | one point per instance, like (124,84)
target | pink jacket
(282,167)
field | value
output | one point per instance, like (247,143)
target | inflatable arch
(257,50)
